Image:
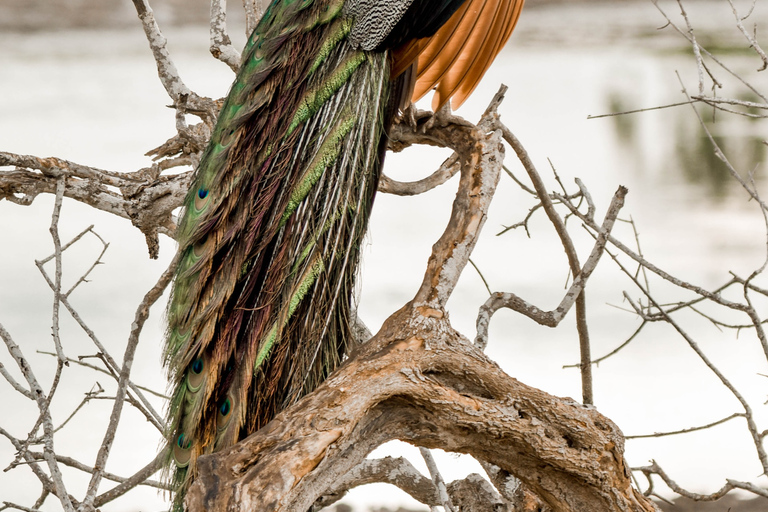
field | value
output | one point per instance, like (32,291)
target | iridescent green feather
(271,230)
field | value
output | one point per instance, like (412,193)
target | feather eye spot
(195,375)
(201,198)
(225,413)
(182,442)
(200,248)
(182,452)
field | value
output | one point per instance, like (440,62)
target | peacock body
(270,235)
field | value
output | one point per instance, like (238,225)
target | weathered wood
(420,381)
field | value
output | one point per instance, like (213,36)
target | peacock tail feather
(270,235)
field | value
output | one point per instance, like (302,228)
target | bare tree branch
(391,470)
(221,44)
(428,387)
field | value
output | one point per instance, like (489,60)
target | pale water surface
(93,98)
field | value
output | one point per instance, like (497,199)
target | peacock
(269,238)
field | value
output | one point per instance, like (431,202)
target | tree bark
(420,381)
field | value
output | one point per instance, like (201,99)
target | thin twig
(695,45)
(88,397)
(638,110)
(482,277)
(437,479)
(54,230)
(142,313)
(105,372)
(570,251)
(752,42)
(154,466)
(139,478)
(687,430)
(18,387)
(42,404)
(748,414)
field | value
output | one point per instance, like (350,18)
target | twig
(752,42)
(8,504)
(636,111)
(73,463)
(687,430)
(570,251)
(482,277)
(84,278)
(437,479)
(221,44)
(42,404)
(748,414)
(139,478)
(54,230)
(446,171)
(88,397)
(523,223)
(166,69)
(654,468)
(105,372)
(142,313)
(616,350)
(695,45)
(18,387)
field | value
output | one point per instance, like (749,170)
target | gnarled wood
(420,381)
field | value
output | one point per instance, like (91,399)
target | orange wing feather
(455,58)
(500,32)
(443,52)
(472,50)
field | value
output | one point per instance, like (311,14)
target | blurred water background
(91,95)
